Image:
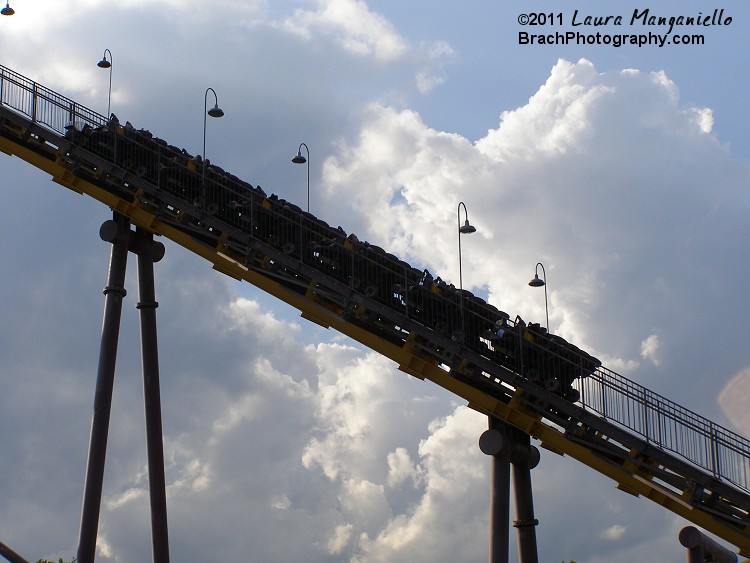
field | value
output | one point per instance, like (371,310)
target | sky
(625,171)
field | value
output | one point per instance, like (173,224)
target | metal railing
(42,105)
(668,426)
(382,277)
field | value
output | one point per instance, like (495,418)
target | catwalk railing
(226,203)
(668,426)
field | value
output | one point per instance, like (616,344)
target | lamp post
(536,282)
(104,63)
(7,11)
(465,229)
(215,111)
(299,159)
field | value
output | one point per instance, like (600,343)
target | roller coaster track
(647,444)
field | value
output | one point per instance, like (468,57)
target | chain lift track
(538,383)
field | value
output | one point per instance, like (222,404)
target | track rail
(648,444)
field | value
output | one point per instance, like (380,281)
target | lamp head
(467,229)
(7,11)
(104,63)
(536,282)
(216,111)
(299,159)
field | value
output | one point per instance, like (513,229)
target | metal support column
(526,457)
(494,442)
(507,446)
(149,252)
(117,232)
(701,548)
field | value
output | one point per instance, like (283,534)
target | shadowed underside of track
(686,464)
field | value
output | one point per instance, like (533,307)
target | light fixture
(104,63)
(299,159)
(465,229)
(538,282)
(7,11)
(215,111)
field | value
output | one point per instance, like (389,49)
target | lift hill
(649,445)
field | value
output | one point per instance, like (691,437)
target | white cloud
(364,33)
(401,469)
(455,474)
(650,349)
(704,117)
(340,539)
(129,495)
(614,533)
(600,176)
(350,22)
(364,503)
(194,476)
(554,121)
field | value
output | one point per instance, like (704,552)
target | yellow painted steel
(631,478)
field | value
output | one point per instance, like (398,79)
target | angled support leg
(11,555)
(149,252)
(117,232)
(525,459)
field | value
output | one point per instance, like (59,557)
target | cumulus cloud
(401,469)
(601,176)
(340,539)
(455,474)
